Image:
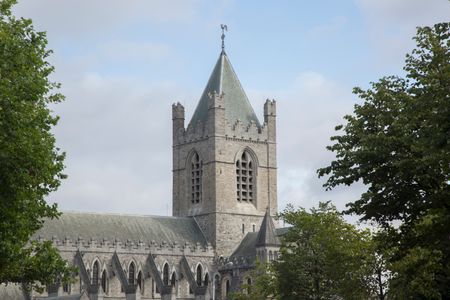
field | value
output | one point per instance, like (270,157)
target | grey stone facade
(224,193)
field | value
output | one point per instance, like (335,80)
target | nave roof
(122,228)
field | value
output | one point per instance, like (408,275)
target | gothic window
(95,270)
(173,280)
(166,274)
(131,272)
(196,178)
(249,283)
(227,287)
(199,275)
(270,256)
(206,279)
(104,281)
(245,177)
(140,282)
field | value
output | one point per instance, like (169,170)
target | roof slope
(122,228)
(247,247)
(267,235)
(224,80)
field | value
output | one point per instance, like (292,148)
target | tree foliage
(322,257)
(397,142)
(30,163)
(264,284)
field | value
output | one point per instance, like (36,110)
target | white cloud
(307,112)
(117,135)
(392,24)
(86,17)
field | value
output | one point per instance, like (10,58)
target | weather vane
(224,28)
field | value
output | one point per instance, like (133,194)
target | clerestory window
(245,178)
(196,178)
(95,273)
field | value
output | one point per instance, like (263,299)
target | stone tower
(224,162)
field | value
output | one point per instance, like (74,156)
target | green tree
(263,286)
(397,142)
(322,256)
(30,164)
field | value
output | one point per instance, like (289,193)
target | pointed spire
(223,80)
(267,235)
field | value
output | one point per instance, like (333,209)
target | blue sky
(123,63)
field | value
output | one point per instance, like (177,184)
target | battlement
(249,131)
(270,108)
(177,111)
(105,245)
(216,100)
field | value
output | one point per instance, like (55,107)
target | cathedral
(224,196)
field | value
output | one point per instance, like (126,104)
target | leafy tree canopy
(322,257)
(30,163)
(397,142)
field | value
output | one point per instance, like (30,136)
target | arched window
(270,255)
(140,282)
(249,283)
(227,287)
(104,285)
(206,281)
(173,280)
(131,272)
(95,270)
(199,275)
(196,178)
(166,274)
(276,255)
(245,177)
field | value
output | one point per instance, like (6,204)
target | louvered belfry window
(196,179)
(245,178)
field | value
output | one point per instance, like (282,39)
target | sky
(123,63)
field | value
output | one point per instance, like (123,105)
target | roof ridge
(69,212)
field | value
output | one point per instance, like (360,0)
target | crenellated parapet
(130,246)
(217,124)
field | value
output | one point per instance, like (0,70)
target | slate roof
(247,247)
(267,235)
(116,227)
(223,79)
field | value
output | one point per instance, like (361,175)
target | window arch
(199,275)
(131,272)
(103,282)
(173,280)
(206,281)
(249,283)
(95,270)
(166,274)
(227,287)
(140,282)
(196,178)
(245,178)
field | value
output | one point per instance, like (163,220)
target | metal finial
(224,28)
